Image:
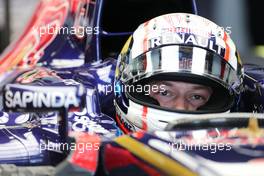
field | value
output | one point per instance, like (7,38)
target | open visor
(188,64)
(180,59)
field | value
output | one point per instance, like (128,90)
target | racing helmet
(177,47)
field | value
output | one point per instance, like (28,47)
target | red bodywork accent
(41,30)
(116,157)
(86,158)
(29,48)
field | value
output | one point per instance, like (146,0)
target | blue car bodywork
(79,60)
(55,83)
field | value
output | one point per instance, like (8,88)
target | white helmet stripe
(198,64)
(169,54)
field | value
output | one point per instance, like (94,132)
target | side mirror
(220,120)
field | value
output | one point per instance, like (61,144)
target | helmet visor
(185,64)
(180,59)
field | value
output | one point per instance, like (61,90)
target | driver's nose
(180,104)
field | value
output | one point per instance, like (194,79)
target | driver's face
(181,95)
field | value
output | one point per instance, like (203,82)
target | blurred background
(14,15)
(240,18)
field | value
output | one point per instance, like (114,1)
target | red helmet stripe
(145,41)
(121,125)
(227,51)
(144,118)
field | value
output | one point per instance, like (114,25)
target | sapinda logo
(24,99)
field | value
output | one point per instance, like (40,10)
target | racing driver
(175,65)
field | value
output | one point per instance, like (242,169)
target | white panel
(170,58)
(198,63)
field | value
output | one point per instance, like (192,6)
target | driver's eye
(197,97)
(164,93)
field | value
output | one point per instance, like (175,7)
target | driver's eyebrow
(162,83)
(200,87)
(169,84)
